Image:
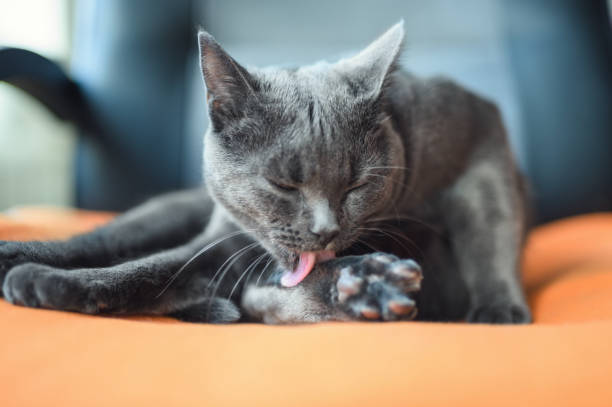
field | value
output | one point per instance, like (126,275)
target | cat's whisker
(405,218)
(270,260)
(251,267)
(367,244)
(401,235)
(398,232)
(230,262)
(394,238)
(268,255)
(196,256)
(236,256)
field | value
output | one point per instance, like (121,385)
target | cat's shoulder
(436,89)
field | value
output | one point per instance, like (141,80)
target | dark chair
(135,91)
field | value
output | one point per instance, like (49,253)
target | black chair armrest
(47,82)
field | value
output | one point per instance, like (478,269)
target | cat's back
(419,103)
(442,125)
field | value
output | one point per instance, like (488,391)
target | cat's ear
(368,70)
(228,85)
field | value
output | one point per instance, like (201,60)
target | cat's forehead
(310,123)
(309,129)
(315,151)
(310,163)
(316,83)
(297,104)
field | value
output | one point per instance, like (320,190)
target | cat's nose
(326,235)
(324,223)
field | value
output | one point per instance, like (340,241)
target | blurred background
(102,104)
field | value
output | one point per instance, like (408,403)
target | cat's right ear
(228,85)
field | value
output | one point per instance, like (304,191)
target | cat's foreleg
(162,222)
(149,285)
(484,211)
(373,287)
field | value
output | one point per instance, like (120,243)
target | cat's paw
(11,254)
(378,286)
(40,286)
(214,310)
(508,313)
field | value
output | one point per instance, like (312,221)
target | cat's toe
(385,305)
(401,306)
(40,286)
(407,274)
(10,256)
(348,284)
(500,314)
(19,286)
(368,312)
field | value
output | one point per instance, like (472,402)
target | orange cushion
(56,358)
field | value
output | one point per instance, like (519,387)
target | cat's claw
(378,287)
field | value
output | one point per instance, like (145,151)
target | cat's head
(302,158)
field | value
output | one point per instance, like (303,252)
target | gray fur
(356,157)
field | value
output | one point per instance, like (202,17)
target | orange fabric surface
(564,359)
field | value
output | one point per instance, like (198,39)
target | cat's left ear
(228,84)
(369,69)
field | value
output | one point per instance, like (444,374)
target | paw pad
(348,284)
(402,306)
(370,313)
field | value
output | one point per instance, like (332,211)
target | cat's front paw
(502,313)
(11,254)
(40,286)
(378,286)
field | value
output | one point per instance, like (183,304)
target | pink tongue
(304,267)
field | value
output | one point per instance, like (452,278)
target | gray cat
(344,191)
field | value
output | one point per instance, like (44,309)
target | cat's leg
(373,287)
(484,212)
(162,222)
(215,310)
(149,285)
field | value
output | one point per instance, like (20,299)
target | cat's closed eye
(355,187)
(281,186)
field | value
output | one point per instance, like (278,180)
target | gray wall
(547,63)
